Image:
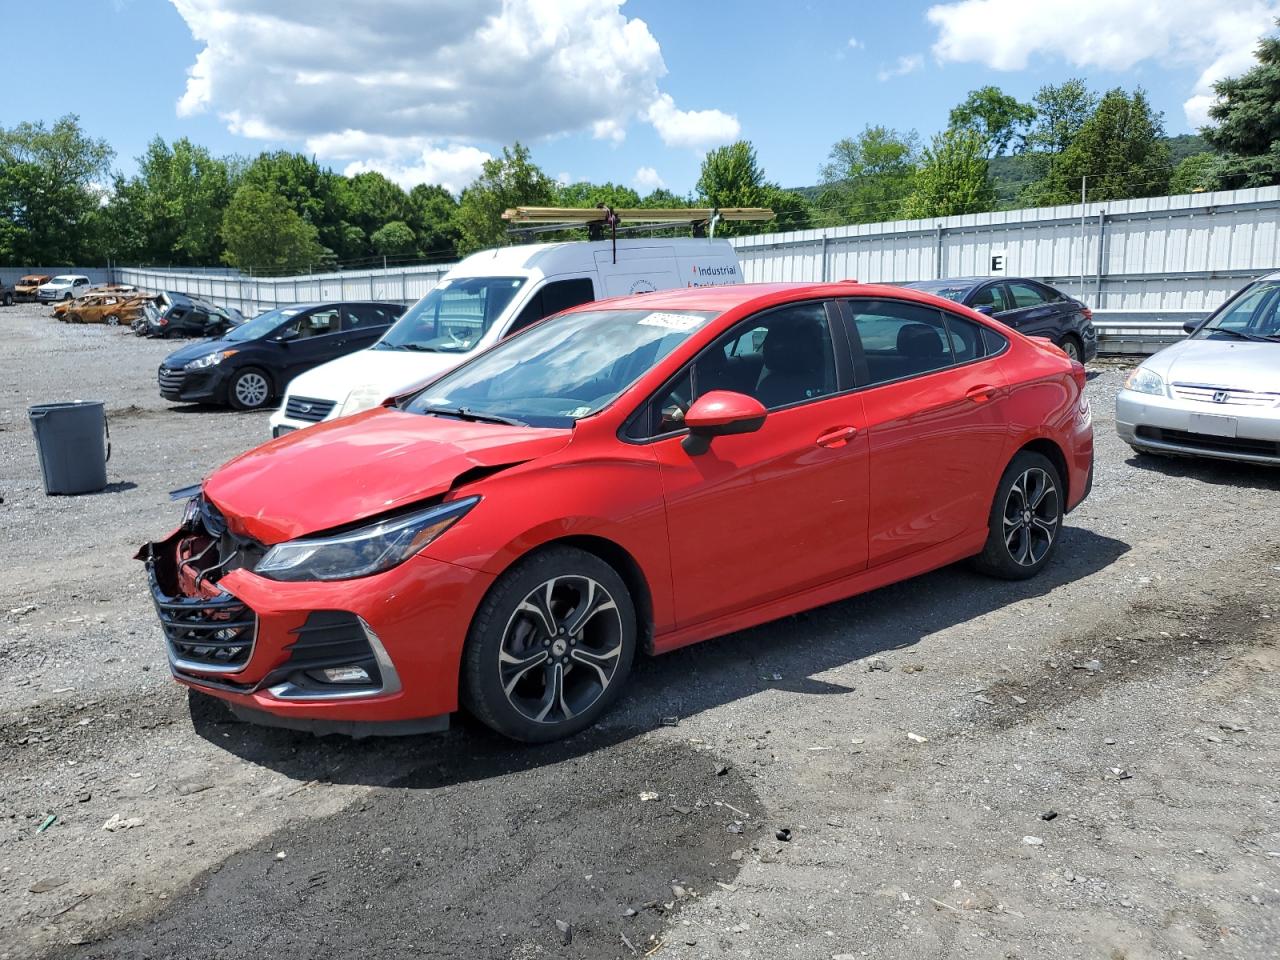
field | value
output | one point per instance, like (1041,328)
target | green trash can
(74,445)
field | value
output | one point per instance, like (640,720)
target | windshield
(261,325)
(63,280)
(561,370)
(1253,314)
(453,316)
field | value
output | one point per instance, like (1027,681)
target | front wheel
(1025,519)
(250,389)
(8,299)
(111,320)
(551,646)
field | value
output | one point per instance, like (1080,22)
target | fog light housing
(350,673)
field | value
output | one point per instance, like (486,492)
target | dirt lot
(1087,765)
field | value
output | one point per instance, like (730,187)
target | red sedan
(633,475)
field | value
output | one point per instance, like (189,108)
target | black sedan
(1029,306)
(180,315)
(253,363)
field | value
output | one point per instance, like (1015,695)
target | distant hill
(1009,174)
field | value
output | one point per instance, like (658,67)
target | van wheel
(250,389)
(1025,521)
(551,646)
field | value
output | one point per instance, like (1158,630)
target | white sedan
(1217,393)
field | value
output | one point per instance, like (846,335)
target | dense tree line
(282,212)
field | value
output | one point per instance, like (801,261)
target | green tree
(731,176)
(315,194)
(394,239)
(1061,111)
(953,176)
(370,201)
(1196,173)
(999,119)
(1118,153)
(264,234)
(1246,122)
(586,194)
(433,211)
(511,180)
(866,178)
(52,180)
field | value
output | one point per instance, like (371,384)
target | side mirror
(720,413)
(986,309)
(284,336)
(1189,326)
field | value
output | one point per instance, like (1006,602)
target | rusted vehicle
(25,289)
(113,309)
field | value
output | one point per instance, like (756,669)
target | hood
(393,371)
(194,351)
(1232,364)
(346,470)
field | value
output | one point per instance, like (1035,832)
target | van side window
(552,298)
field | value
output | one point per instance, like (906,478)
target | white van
(488,296)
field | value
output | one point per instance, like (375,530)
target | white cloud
(855,43)
(647,178)
(698,129)
(1214,36)
(901,67)
(412,76)
(452,166)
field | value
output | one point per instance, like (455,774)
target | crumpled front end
(377,654)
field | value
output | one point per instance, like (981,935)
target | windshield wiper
(1239,333)
(466,413)
(407,346)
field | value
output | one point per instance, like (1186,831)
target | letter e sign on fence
(997,262)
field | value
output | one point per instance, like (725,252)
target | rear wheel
(1025,519)
(250,389)
(71,317)
(111,320)
(550,647)
(8,299)
(1071,347)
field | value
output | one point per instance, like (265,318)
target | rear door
(1029,310)
(364,323)
(934,406)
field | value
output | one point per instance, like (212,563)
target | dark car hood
(194,351)
(346,470)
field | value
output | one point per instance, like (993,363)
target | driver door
(765,514)
(311,339)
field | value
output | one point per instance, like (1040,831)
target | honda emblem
(1221,396)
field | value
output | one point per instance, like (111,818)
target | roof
(728,296)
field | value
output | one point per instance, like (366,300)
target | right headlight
(1143,380)
(364,551)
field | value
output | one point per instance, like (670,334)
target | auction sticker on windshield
(672,321)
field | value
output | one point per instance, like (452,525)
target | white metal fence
(1144,265)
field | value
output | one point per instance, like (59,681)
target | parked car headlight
(1143,380)
(362,398)
(209,359)
(364,551)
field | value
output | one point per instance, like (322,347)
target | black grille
(215,635)
(309,409)
(171,381)
(1201,441)
(329,638)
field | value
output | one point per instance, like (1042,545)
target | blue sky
(633,93)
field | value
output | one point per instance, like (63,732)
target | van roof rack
(702,220)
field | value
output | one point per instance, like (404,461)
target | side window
(781,357)
(1023,295)
(899,339)
(989,296)
(967,341)
(311,325)
(994,341)
(361,316)
(552,298)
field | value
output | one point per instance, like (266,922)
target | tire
(111,320)
(8,299)
(66,296)
(513,660)
(1025,522)
(250,389)
(1072,348)
(70,317)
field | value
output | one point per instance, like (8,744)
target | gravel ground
(959,777)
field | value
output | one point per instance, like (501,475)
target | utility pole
(1083,200)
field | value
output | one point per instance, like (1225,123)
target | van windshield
(452,317)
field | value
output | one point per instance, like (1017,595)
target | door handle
(981,393)
(836,437)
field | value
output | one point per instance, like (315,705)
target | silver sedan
(1217,393)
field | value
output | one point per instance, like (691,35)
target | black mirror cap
(1190,326)
(986,309)
(699,439)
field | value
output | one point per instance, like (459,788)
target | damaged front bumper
(378,655)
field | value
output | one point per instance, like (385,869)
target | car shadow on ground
(1230,473)
(788,654)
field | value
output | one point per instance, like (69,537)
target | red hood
(335,473)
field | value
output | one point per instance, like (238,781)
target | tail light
(1088,314)
(1080,375)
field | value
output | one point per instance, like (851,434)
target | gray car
(1217,393)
